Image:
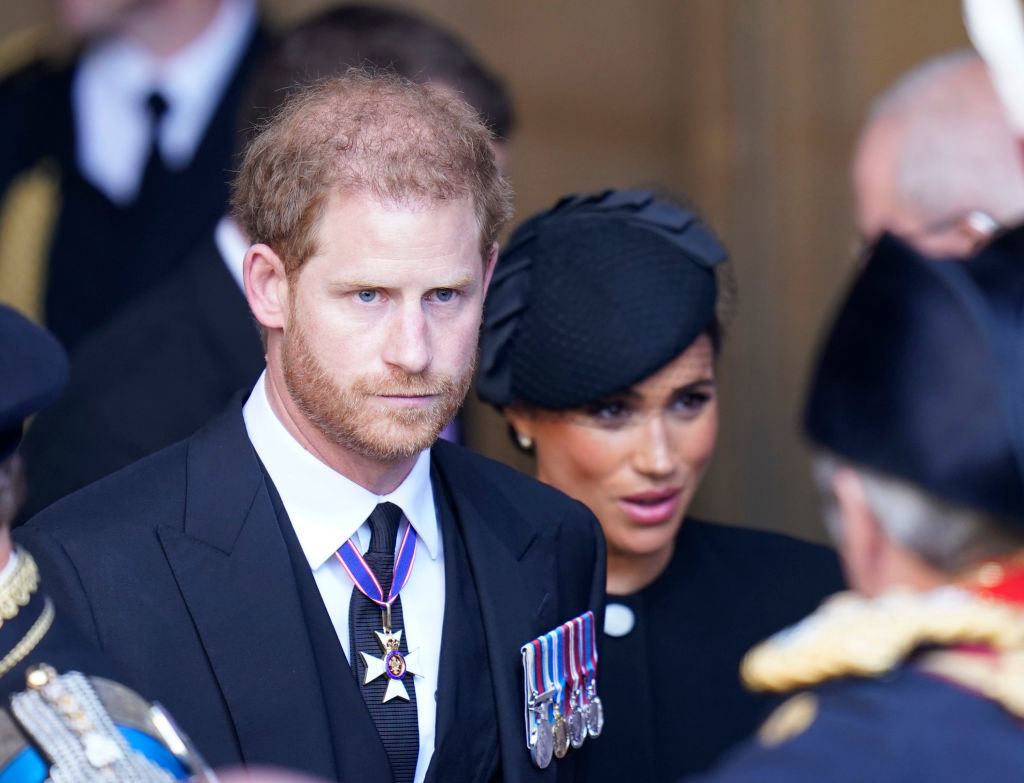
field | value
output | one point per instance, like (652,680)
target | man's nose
(408,340)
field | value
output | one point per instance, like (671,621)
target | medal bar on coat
(595,709)
(392,662)
(552,643)
(577,719)
(538,725)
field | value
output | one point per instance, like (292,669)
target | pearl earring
(525,442)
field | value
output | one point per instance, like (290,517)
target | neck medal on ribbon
(391,663)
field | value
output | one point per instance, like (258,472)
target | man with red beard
(311,581)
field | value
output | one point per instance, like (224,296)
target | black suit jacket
(152,376)
(177,569)
(103,255)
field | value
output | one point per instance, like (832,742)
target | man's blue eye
(444,294)
(367,296)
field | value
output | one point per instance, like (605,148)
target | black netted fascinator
(593,296)
(922,374)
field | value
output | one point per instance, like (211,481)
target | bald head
(937,162)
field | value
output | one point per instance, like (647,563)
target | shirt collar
(115,76)
(232,244)
(325,508)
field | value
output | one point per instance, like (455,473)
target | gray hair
(947,536)
(957,151)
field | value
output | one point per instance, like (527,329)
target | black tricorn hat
(594,295)
(921,376)
(33,372)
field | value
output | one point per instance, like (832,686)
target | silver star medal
(393,664)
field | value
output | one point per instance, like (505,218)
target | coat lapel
(233,570)
(515,583)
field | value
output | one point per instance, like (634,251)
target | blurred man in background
(916,410)
(937,162)
(136,132)
(176,358)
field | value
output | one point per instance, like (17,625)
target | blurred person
(600,345)
(248,575)
(175,358)
(937,162)
(915,410)
(62,717)
(138,129)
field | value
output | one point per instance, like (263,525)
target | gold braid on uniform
(15,593)
(854,636)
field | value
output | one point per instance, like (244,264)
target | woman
(599,344)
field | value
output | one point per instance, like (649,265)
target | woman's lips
(651,508)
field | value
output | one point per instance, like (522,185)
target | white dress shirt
(232,245)
(326,509)
(113,80)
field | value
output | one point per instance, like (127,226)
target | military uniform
(58,723)
(918,397)
(62,718)
(905,687)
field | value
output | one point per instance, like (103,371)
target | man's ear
(266,286)
(492,260)
(862,543)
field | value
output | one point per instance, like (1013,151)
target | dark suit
(177,567)
(152,376)
(103,255)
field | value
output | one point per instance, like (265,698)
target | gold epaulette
(855,636)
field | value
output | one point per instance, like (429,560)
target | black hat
(594,295)
(922,374)
(33,372)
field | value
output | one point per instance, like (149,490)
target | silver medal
(543,747)
(577,727)
(595,716)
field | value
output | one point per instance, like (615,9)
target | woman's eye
(444,294)
(610,411)
(691,401)
(367,295)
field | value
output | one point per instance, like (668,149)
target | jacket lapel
(233,570)
(516,589)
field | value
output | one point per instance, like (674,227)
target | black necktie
(395,720)
(154,174)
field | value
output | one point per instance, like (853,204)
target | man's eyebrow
(359,284)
